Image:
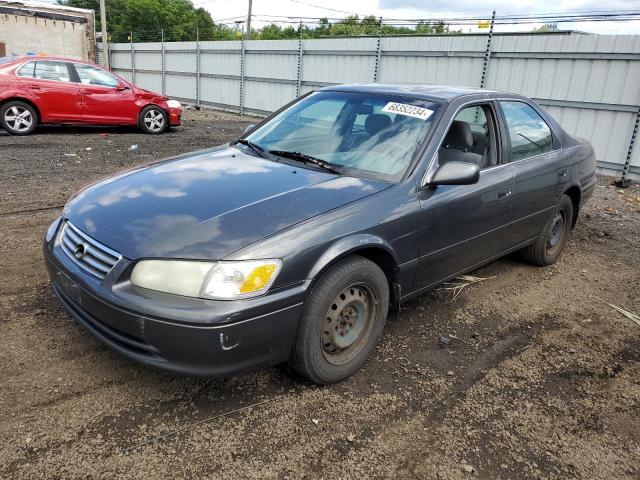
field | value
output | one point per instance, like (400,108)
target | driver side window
(471,138)
(90,75)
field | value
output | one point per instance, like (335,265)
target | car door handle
(504,192)
(34,87)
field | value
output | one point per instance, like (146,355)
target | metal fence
(589,83)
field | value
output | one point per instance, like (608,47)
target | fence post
(624,181)
(133,59)
(197,68)
(162,63)
(487,53)
(241,76)
(376,67)
(299,67)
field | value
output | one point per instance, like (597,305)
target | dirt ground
(541,378)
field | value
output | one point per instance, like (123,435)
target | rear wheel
(342,321)
(548,246)
(153,119)
(18,118)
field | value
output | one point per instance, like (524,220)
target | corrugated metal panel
(608,132)
(220,90)
(151,81)
(266,96)
(181,86)
(599,74)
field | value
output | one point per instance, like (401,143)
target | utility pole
(103,24)
(249,22)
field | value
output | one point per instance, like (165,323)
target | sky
(223,9)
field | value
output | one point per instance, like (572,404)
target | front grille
(87,253)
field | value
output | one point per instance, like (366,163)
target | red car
(38,90)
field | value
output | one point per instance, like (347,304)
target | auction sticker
(408,110)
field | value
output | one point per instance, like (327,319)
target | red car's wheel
(153,119)
(18,118)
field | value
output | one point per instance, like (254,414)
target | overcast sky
(222,9)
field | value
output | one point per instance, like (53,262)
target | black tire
(361,289)
(548,246)
(18,118)
(153,119)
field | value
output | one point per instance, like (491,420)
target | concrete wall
(46,30)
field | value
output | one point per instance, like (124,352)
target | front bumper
(192,337)
(175,116)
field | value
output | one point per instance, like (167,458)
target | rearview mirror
(456,173)
(122,86)
(248,128)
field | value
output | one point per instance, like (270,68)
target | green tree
(147,18)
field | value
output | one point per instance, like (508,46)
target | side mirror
(122,86)
(248,128)
(456,173)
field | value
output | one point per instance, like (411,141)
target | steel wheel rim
(348,323)
(18,119)
(154,120)
(554,241)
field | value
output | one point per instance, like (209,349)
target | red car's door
(105,98)
(50,85)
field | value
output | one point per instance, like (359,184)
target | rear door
(541,167)
(51,86)
(105,98)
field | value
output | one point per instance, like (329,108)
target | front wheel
(548,246)
(18,118)
(153,119)
(342,321)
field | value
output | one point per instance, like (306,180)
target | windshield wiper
(256,148)
(303,157)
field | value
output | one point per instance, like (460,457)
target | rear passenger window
(529,133)
(57,71)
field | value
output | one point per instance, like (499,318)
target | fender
(351,244)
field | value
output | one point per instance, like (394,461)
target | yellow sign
(483,24)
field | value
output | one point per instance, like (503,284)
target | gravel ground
(541,379)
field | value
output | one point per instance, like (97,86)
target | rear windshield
(364,134)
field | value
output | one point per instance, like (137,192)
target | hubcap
(18,118)
(154,120)
(347,324)
(557,232)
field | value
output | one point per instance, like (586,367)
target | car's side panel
(462,225)
(387,220)
(106,105)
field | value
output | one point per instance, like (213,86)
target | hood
(208,205)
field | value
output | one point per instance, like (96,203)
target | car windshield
(361,134)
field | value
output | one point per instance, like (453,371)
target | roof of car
(45,57)
(429,92)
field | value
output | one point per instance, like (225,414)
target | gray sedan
(293,243)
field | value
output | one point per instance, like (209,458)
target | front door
(465,225)
(105,98)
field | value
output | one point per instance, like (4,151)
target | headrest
(459,136)
(376,122)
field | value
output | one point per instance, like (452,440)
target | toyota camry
(295,241)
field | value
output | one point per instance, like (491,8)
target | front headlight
(218,281)
(173,104)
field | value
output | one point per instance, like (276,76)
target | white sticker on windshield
(408,110)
